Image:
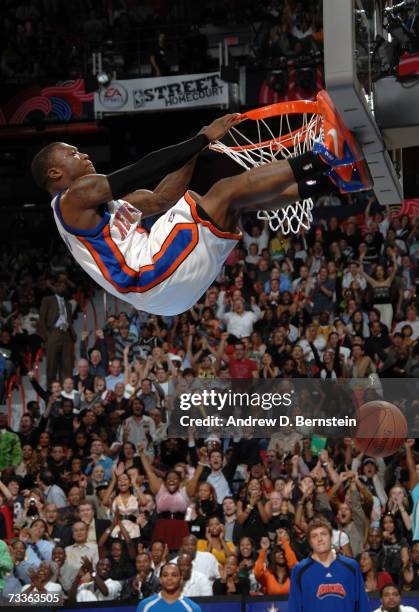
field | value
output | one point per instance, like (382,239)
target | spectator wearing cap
(373,474)
(100,500)
(146,342)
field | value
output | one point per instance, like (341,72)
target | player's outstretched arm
(166,194)
(92,190)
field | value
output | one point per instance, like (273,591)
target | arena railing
(38,358)
(110,306)
(85,310)
(15,381)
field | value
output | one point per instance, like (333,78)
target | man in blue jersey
(169,599)
(326,582)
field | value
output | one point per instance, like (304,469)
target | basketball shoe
(339,149)
(360,178)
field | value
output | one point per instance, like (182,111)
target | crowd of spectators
(95,494)
(53,39)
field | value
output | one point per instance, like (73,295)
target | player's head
(58,164)
(390,598)
(170,578)
(319,535)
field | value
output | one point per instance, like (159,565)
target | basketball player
(169,599)
(167,271)
(324,582)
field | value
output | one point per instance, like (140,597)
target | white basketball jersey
(164,272)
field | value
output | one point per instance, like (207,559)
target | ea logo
(114,96)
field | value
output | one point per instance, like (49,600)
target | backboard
(350,31)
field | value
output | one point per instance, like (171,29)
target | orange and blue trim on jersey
(175,249)
(217,232)
(98,241)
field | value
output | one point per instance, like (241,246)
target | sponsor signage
(160,93)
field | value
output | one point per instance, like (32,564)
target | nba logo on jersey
(171,217)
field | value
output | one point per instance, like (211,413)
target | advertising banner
(159,93)
(65,101)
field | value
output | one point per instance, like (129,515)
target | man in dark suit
(56,329)
(95,527)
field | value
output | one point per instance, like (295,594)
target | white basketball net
(270,147)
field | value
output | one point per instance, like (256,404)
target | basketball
(381,429)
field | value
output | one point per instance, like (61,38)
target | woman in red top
(274,577)
(374,581)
